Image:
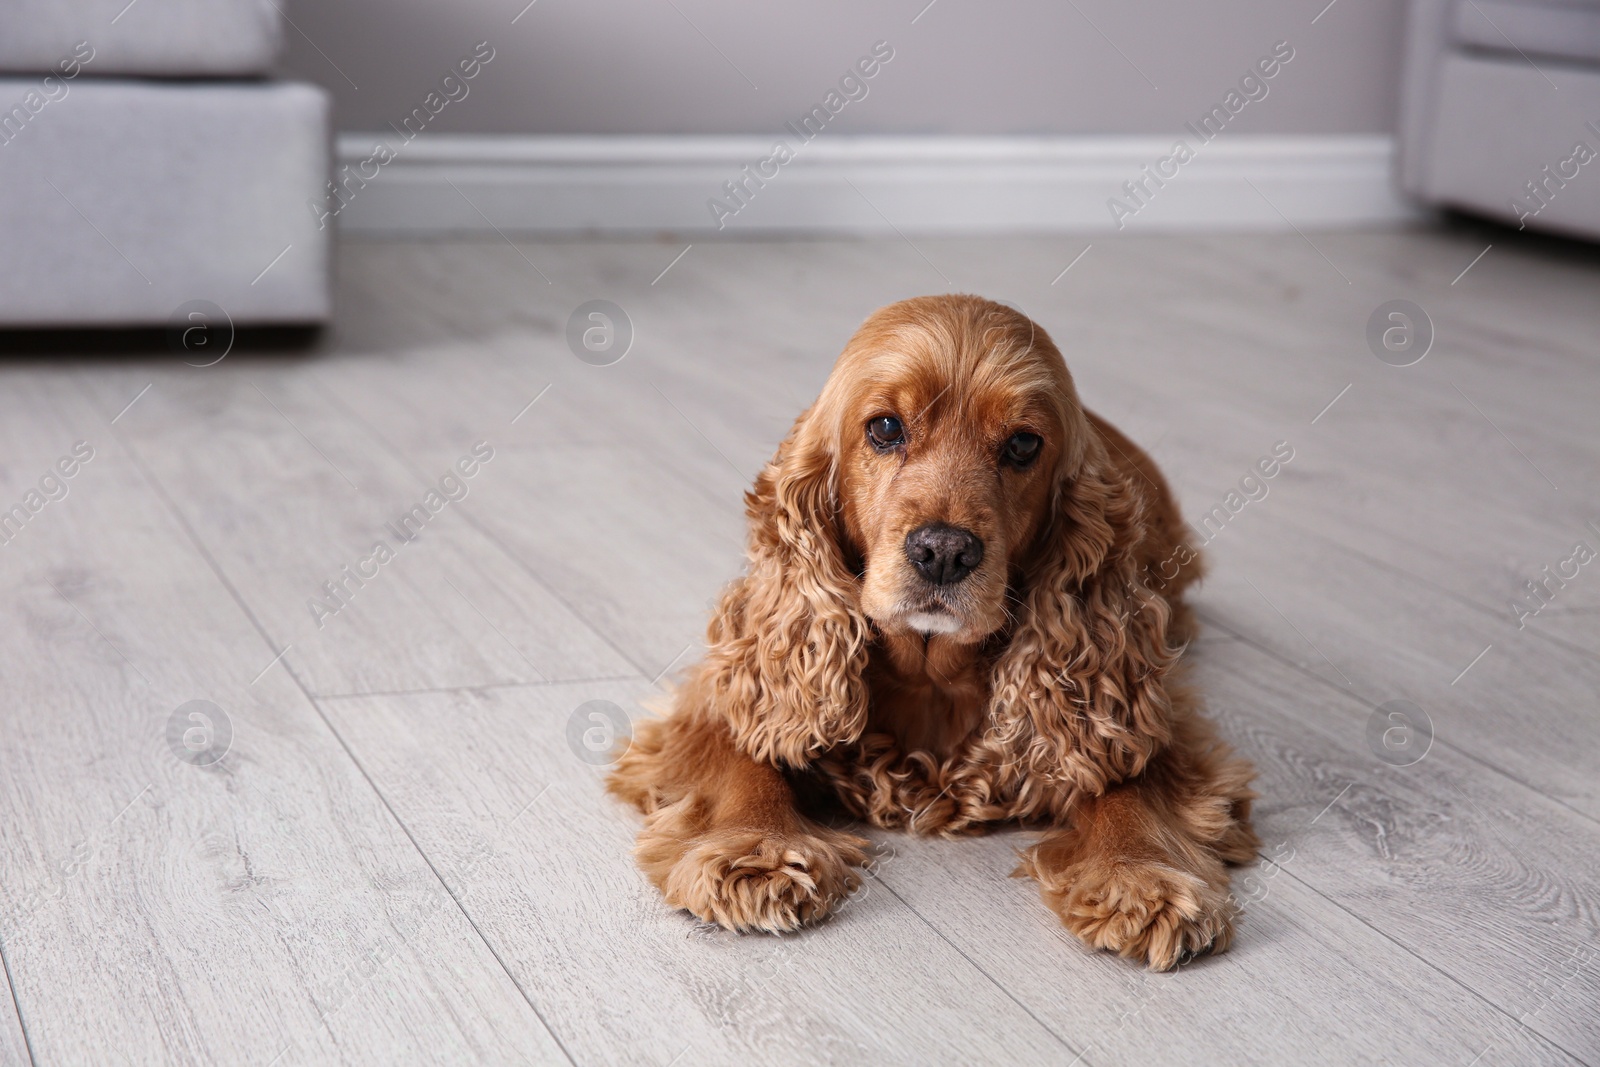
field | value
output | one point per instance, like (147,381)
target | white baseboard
(462,184)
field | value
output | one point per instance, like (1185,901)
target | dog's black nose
(942,553)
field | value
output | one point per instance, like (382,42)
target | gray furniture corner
(1501,110)
(149,162)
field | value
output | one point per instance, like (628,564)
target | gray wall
(964,67)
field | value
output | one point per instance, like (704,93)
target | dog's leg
(1142,869)
(723,837)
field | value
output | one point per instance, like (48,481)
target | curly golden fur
(1032,680)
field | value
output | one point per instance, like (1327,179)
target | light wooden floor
(403,859)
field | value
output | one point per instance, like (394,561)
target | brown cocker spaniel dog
(962,609)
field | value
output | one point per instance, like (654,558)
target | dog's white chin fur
(928,622)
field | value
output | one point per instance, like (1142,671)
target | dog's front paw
(1143,911)
(749,880)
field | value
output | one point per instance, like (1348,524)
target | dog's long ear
(788,642)
(1080,691)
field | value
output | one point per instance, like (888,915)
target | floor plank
(159,911)
(1383,636)
(598,523)
(1437,468)
(302,501)
(1470,871)
(13,1042)
(1301,970)
(1479,524)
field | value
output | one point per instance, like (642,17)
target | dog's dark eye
(1022,449)
(885,432)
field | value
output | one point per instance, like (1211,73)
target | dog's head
(946,484)
(955,423)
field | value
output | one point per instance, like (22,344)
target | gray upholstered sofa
(1501,110)
(148,161)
